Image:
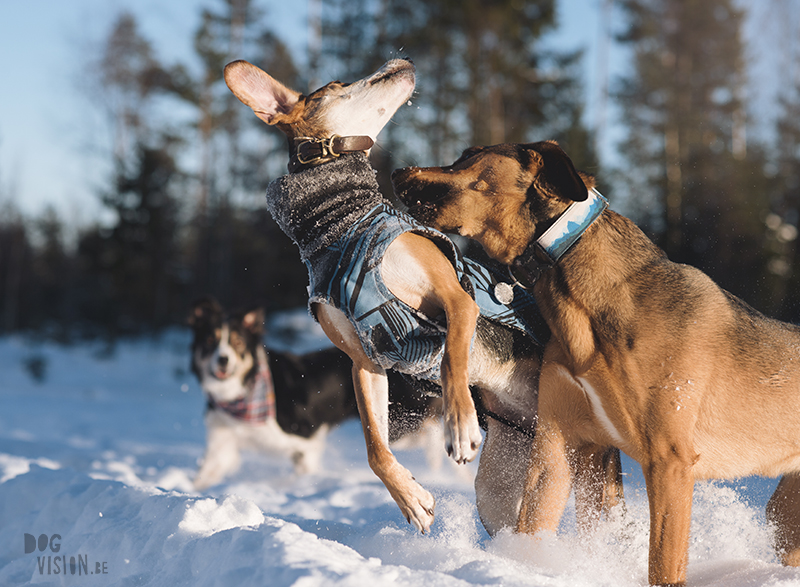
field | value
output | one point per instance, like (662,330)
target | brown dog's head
(358,108)
(503,196)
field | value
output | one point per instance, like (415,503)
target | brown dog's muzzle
(404,182)
(421,189)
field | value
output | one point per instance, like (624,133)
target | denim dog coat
(343,250)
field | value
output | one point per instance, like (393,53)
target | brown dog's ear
(253,321)
(267,97)
(557,174)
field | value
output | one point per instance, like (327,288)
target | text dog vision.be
(56,564)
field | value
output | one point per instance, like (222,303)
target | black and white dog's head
(225,349)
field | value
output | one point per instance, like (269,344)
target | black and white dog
(281,403)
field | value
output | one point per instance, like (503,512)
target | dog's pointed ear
(557,174)
(202,312)
(253,321)
(266,96)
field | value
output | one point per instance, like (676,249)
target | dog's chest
(268,436)
(349,277)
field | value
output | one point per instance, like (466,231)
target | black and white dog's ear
(557,174)
(204,311)
(253,321)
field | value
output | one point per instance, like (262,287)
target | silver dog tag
(504,293)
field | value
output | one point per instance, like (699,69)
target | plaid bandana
(258,405)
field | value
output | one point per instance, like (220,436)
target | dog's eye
(468,154)
(238,343)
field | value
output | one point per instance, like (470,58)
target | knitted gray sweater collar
(316,206)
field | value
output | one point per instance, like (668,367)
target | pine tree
(237,155)
(484,75)
(128,267)
(686,147)
(15,255)
(783,221)
(53,270)
(131,268)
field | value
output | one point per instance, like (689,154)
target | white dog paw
(207,477)
(420,508)
(415,503)
(201,483)
(462,438)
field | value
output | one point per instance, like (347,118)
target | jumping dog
(393,294)
(280,403)
(646,354)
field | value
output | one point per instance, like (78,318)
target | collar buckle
(310,151)
(324,146)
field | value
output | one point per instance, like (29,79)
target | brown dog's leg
(613,494)
(670,485)
(548,482)
(417,272)
(783,510)
(549,471)
(372,395)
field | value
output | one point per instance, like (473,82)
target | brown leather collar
(309,151)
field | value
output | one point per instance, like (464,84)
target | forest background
(711,173)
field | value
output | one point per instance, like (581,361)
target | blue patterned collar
(571,225)
(545,251)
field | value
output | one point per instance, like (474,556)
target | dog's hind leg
(783,511)
(372,395)
(307,457)
(597,483)
(500,480)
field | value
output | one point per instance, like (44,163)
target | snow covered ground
(98,447)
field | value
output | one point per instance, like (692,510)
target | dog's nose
(222,361)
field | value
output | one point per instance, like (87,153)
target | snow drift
(98,447)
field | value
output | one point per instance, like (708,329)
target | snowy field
(98,448)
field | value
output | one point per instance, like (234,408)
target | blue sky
(52,139)
(51,136)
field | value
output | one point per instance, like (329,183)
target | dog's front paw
(214,469)
(462,436)
(203,481)
(419,508)
(416,503)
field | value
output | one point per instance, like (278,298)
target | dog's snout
(397,172)
(404,175)
(222,361)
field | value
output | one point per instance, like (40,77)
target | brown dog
(647,355)
(332,184)
(415,270)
